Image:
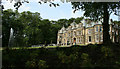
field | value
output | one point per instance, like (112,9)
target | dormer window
(75,26)
(89,31)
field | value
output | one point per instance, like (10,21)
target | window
(74,33)
(60,37)
(89,31)
(96,37)
(64,41)
(69,34)
(100,28)
(79,32)
(96,28)
(101,37)
(68,43)
(59,42)
(79,39)
(90,39)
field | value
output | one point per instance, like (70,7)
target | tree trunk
(106,36)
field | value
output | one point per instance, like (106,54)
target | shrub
(31,64)
(42,64)
(107,51)
(86,62)
(67,59)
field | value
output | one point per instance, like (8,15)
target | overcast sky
(46,12)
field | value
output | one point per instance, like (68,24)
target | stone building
(87,32)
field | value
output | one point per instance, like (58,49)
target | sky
(64,11)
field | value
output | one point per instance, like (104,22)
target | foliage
(117,22)
(42,64)
(90,56)
(31,64)
(85,60)
(107,51)
(98,11)
(30,29)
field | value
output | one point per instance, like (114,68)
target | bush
(86,62)
(31,64)
(107,51)
(42,64)
(67,59)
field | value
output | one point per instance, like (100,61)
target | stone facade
(87,32)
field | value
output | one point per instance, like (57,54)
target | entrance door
(74,41)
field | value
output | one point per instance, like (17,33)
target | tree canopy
(97,10)
(30,29)
(94,10)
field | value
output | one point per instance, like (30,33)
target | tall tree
(96,10)
(7,19)
(63,22)
(31,22)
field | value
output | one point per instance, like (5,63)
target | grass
(32,47)
(37,47)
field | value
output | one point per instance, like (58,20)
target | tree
(31,22)
(63,22)
(95,11)
(7,19)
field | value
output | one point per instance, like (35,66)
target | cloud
(8,5)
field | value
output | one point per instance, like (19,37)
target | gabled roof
(73,24)
(86,23)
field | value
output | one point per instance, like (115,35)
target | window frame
(89,38)
(96,29)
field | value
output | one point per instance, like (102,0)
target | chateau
(87,32)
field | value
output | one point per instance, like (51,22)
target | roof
(85,24)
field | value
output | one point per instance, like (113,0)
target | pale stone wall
(80,34)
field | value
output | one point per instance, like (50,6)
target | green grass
(31,47)
(36,47)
